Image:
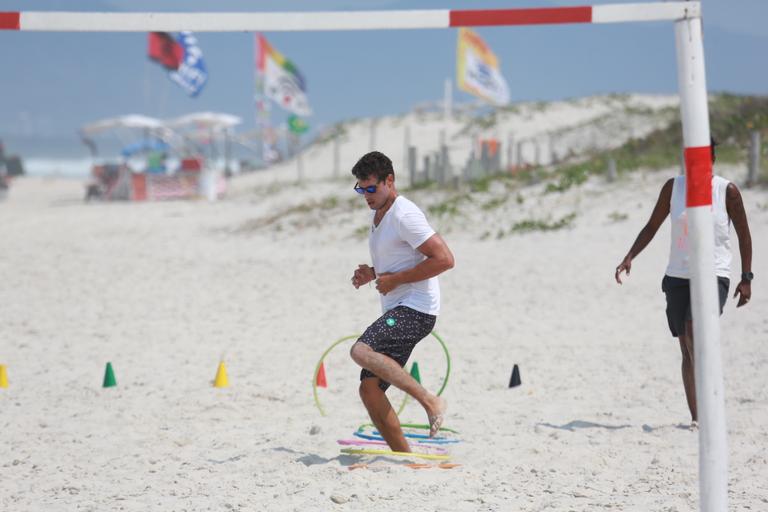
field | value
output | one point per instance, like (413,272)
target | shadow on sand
(311,459)
(576,424)
(679,426)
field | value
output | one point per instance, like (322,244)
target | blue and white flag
(191,74)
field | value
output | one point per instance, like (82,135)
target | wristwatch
(747,276)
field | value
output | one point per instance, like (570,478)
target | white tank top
(679,249)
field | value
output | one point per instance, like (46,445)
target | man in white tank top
(727,207)
(407,257)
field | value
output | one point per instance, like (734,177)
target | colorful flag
(478,69)
(297,125)
(182,58)
(282,82)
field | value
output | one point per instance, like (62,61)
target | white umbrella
(128,121)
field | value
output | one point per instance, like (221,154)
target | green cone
(415,372)
(109,377)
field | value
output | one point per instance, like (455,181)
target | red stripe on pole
(521,16)
(10,21)
(698,172)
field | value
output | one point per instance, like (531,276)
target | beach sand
(164,291)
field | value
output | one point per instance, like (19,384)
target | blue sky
(55,82)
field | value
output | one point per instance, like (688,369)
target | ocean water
(58,167)
(80,168)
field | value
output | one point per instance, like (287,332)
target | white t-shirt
(679,248)
(393,245)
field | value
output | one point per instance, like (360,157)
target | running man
(727,207)
(407,257)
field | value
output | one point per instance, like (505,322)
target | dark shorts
(395,334)
(678,294)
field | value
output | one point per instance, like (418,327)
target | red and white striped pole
(713,442)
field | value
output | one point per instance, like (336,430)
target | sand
(164,291)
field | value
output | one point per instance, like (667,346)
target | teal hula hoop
(420,426)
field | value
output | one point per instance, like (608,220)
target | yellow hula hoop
(445,380)
(320,362)
(365,451)
(405,398)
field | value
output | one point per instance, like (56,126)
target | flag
(192,73)
(163,49)
(297,125)
(478,69)
(182,58)
(282,82)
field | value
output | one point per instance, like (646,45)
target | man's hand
(744,290)
(624,266)
(386,282)
(363,275)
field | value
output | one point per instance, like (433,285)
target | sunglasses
(362,190)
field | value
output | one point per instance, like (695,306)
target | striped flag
(478,69)
(282,82)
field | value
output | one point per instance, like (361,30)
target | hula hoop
(362,442)
(432,440)
(405,398)
(364,451)
(317,369)
(445,380)
(422,426)
(413,436)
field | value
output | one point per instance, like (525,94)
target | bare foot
(437,415)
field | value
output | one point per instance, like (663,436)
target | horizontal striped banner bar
(343,20)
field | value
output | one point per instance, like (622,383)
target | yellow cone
(3,377)
(221,377)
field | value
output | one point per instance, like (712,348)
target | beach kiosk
(153,162)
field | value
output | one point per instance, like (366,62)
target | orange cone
(320,380)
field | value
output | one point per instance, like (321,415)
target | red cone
(320,380)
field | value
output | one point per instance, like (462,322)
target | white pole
(447,100)
(299,165)
(406,145)
(295,151)
(372,139)
(336,165)
(753,173)
(713,443)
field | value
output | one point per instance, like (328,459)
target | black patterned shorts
(395,334)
